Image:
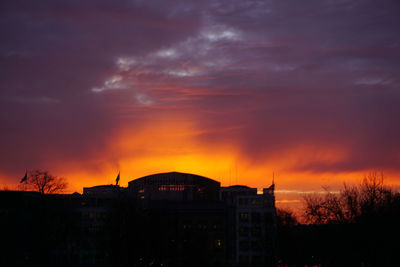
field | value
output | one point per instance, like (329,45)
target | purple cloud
(278,74)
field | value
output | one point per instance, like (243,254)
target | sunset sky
(231,90)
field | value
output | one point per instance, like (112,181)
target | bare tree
(5,188)
(45,183)
(351,203)
(324,208)
(286,217)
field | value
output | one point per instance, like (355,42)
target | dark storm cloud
(279,74)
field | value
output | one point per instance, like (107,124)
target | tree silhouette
(45,183)
(286,218)
(352,203)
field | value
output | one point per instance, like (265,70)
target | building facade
(167,219)
(252,224)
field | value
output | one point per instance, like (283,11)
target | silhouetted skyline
(229,90)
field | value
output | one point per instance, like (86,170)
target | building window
(202,225)
(168,187)
(255,246)
(187,226)
(217,226)
(255,201)
(243,259)
(255,217)
(256,260)
(218,243)
(243,201)
(101,216)
(243,231)
(256,231)
(223,195)
(243,216)
(244,245)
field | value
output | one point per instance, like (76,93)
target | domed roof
(176,177)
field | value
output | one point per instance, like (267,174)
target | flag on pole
(25,178)
(117,180)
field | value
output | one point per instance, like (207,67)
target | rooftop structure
(174,186)
(103,191)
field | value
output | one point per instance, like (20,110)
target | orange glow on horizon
(174,143)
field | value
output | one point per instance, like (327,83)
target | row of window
(203,226)
(256,217)
(255,246)
(95,202)
(254,201)
(92,215)
(165,187)
(255,231)
(246,259)
(218,243)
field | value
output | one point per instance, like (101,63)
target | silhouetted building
(104,191)
(167,219)
(174,186)
(252,225)
(193,218)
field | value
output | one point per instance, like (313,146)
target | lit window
(255,201)
(202,225)
(171,188)
(244,216)
(217,226)
(218,243)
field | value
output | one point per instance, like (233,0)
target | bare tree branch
(45,183)
(351,203)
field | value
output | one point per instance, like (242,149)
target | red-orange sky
(231,90)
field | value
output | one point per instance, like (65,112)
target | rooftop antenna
(117,179)
(273,182)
